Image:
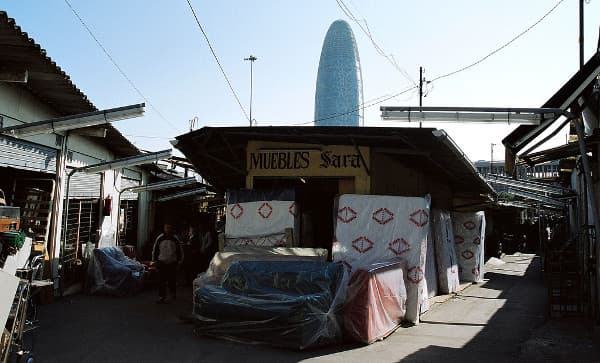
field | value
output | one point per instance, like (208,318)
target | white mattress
(372,228)
(469,238)
(447,261)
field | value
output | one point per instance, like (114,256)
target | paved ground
(500,320)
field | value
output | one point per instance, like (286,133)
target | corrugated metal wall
(127,183)
(22,154)
(84,186)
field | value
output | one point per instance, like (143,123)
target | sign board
(279,159)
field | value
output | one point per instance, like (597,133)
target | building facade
(34,169)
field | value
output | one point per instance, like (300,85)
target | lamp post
(491,157)
(251,58)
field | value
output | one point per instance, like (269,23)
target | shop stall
(364,195)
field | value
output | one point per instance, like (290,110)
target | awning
(20,54)
(582,81)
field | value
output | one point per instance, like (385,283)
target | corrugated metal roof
(559,152)
(579,83)
(219,154)
(48,82)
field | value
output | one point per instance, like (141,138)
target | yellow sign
(277,159)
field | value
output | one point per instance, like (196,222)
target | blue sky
(161,49)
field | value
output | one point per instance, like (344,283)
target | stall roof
(560,152)
(581,82)
(219,154)
(48,82)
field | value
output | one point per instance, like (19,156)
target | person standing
(208,247)
(166,255)
(192,252)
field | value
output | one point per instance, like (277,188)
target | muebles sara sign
(303,160)
(328,160)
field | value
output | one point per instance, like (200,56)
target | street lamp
(251,58)
(492,157)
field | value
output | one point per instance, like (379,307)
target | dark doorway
(315,198)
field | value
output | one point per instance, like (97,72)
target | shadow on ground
(501,320)
(519,330)
(84,328)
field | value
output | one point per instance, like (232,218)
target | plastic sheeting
(292,251)
(431,275)
(221,261)
(469,238)
(376,301)
(288,304)
(253,214)
(272,240)
(372,228)
(111,272)
(447,262)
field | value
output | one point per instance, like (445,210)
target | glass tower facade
(338,96)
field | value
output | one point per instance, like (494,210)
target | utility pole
(251,58)
(581,34)
(492,157)
(421,91)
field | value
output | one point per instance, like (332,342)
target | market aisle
(485,322)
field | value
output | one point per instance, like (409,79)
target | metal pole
(491,156)
(592,195)
(66,213)
(251,58)
(420,91)
(581,34)
(251,91)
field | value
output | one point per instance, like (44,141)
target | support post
(592,196)
(420,92)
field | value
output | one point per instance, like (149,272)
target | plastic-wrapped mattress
(377,228)
(288,304)
(259,218)
(447,262)
(469,238)
(376,302)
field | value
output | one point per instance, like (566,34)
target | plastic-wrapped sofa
(222,260)
(283,303)
(110,272)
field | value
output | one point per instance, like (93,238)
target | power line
(499,48)
(218,62)
(390,57)
(149,137)
(367,104)
(119,68)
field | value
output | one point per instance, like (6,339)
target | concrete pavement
(491,322)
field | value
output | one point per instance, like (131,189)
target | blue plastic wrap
(289,304)
(111,272)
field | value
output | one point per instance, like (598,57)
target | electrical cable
(119,68)
(217,60)
(499,48)
(391,59)
(367,104)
